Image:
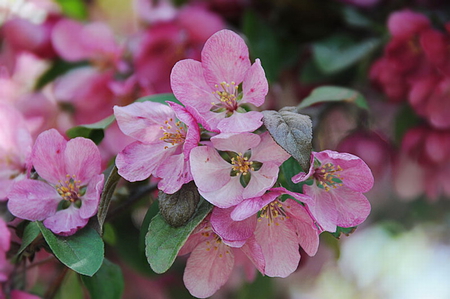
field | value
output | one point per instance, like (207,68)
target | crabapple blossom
(250,167)
(335,198)
(211,89)
(5,240)
(68,191)
(211,260)
(15,148)
(163,143)
(282,226)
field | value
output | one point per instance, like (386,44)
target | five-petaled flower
(217,89)
(70,182)
(335,198)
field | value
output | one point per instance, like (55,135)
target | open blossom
(250,167)
(211,261)
(5,241)
(68,191)
(15,147)
(282,226)
(335,198)
(216,88)
(165,136)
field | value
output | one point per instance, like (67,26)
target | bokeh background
(65,63)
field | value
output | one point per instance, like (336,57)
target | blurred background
(68,62)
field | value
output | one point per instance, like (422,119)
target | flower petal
(261,180)
(255,86)
(82,159)
(208,268)
(235,142)
(174,172)
(91,199)
(65,222)
(241,122)
(229,195)
(225,58)
(230,230)
(269,151)
(33,200)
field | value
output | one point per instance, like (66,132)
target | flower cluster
(217,141)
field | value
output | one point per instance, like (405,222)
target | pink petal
(235,142)
(91,199)
(250,207)
(174,172)
(254,252)
(230,230)
(98,39)
(322,207)
(208,268)
(82,159)
(229,195)
(65,222)
(241,122)
(225,58)
(269,151)
(261,180)
(143,121)
(138,161)
(209,170)
(50,146)
(5,236)
(308,233)
(192,138)
(255,86)
(279,245)
(67,40)
(33,200)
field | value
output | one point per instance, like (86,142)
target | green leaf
(261,288)
(82,252)
(75,9)
(59,67)
(94,131)
(30,233)
(160,98)
(334,94)
(292,131)
(343,230)
(164,241)
(108,191)
(71,287)
(106,283)
(288,169)
(339,52)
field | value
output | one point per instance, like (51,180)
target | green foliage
(71,287)
(108,191)
(288,169)
(163,242)
(292,131)
(95,131)
(106,283)
(343,230)
(160,98)
(82,252)
(261,288)
(75,9)
(334,94)
(30,233)
(339,52)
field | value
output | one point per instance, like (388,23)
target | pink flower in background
(15,148)
(5,242)
(71,185)
(282,226)
(211,260)
(250,169)
(163,144)
(212,90)
(335,198)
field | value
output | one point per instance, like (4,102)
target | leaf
(292,131)
(164,241)
(288,169)
(70,288)
(94,131)
(339,52)
(82,252)
(30,233)
(106,283)
(75,9)
(160,98)
(334,94)
(343,230)
(108,191)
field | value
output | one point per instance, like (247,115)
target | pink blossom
(162,145)
(15,148)
(251,168)
(282,226)
(335,198)
(212,89)
(68,193)
(5,240)
(211,261)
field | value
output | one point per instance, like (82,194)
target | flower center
(241,164)
(227,94)
(70,190)
(273,212)
(328,177)
(173,133)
